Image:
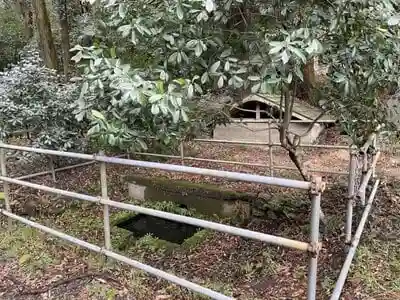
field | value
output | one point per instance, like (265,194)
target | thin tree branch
(243,17)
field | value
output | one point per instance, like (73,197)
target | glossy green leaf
(210,6)
(179,11)
(98,115)
(215,66)
(220,82)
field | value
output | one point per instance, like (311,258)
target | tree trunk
(305,89)
(65,45)
(45,36)
(25,10)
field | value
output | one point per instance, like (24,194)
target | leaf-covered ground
(34,265)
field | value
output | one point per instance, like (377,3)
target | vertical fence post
(271,167)
(6,185)
(364,173)
(182,154)
(350,193)
(52,169)
(375,145)
(106,212)
(316,190)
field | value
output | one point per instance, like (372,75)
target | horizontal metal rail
(169,216)
(50,189)
(153,271)
(29,176)
(238,142)
(157,155)
(283,182)
(241,142)
(231,162)
(49,152)
(226,162)
(85,164)
(350,255)
(272,121)
(271,239)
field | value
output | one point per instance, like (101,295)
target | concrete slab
(258,132)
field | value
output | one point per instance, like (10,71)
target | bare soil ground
(37,266)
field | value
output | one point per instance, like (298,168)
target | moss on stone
(123,239)
(153,244)
(121,216)
(198,238)
(203,190)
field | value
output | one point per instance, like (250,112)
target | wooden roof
(301,109)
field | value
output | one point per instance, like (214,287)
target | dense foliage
(11,36)
(153,68)
(151,58)
(363,54)
(36,99)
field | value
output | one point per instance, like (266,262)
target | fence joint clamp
(99,200)
(354,150)
(314,248)
(317,185)
(96,155)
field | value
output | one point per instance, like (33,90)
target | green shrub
(11,36)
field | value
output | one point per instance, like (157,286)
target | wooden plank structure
(301,109)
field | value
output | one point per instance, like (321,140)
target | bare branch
(243,17)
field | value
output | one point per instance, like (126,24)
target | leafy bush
(11,36)
(35,98)
(362,54)
(188,48)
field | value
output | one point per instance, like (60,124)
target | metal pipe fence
(277,121)
(352,250)
(312,247)
(239,142)
(271,166)
(153,271)
(315,187)
(182,157)
(283,182)
(268,144)
(230,162)
(350,194)
(368,169)
(29,176)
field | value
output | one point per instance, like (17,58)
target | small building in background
(250,119)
